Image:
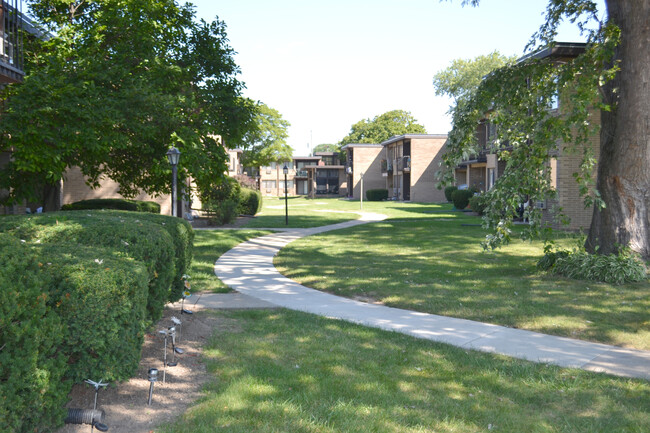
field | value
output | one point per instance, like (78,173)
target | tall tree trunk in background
(51,198)
(624,163)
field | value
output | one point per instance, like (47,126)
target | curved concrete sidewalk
(248,268)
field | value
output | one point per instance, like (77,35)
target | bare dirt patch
(125,403)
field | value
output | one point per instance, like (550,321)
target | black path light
(173,156)
(285,170)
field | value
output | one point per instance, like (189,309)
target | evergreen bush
(448,191)
(32,386)
(250,202)
(478,203)
(127,234)
(221,202)
(377,194)
(114,203)
(460,198)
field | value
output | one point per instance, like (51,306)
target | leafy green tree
(383,127)
(611,75)
(326,148)
(461,79)
(266,139)
(117,84)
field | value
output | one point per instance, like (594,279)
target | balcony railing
(386,167)
(404,163)
(11,58)
(301,173)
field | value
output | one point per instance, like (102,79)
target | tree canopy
(383,127)
(326,148)
(266,140)
(461,79)
(117,84)
(608,76)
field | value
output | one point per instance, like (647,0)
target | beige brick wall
(426,156)
(75,189)
(568,190)
(367,160)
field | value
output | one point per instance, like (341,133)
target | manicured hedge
(32,367)
(114,203)
(102,299)
(461,197)
(250,201)
(183,237)
(449,191)
(79,289)
(127,233)
(377,194)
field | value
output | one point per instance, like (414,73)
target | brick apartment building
(482,170)
(313,176)
(405,165)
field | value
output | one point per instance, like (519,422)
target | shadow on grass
(294,372)
(438,267)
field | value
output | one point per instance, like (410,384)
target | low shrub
(221,202)
(618,268)
(102,298)
(449,191)
(478,203)
(548,260)
(377,194)
(126,233)
(460,198)
(183,237)
(250,202)
(32,389)
(114,203)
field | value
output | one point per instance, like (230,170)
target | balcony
(404,163)
(11,61)
(386,167)
(301,173)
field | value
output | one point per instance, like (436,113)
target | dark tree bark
(624,162)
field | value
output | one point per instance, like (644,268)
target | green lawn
(283,371)
(209,245)
(302,212)
(427,258)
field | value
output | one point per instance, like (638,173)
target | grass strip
(433,263)
(283,371)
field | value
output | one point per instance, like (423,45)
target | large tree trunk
(624,163)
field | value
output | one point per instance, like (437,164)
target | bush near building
(80,290)
(449,191)
(461,197)
(377,194)
(114,203)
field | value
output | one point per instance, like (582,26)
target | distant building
(404,165)
(482,170)
(318,175)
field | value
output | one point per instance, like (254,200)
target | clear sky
(325,65)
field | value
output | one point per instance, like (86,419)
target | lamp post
(285,170)
(173,155)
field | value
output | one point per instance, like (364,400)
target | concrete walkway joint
(248,268)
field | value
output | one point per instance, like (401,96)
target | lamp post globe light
(285,170)
(173,155)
